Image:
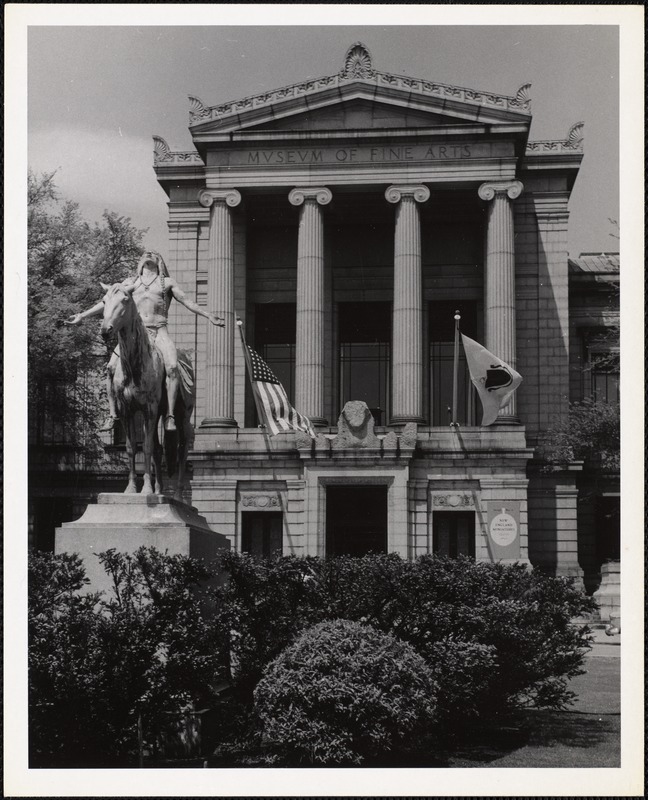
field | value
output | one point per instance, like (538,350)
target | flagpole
(248,364)
(455,372)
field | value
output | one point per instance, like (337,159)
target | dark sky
(97,94)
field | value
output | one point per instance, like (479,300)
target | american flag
(279,414)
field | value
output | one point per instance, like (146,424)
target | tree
(67,257)
(591,433)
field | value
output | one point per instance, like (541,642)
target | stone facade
(365,187)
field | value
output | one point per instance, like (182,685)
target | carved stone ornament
(197,110)
(522,97)
(453,501)
(320,194)
(207,197)
(575,136)
(162,154)
(261,501)
(357,63)
(161,150)
(355,427)
(513,189)
(395,193)
(573,142)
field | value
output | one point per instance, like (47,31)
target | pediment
(358,114)
(358,97)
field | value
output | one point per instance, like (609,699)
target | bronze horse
(138,387)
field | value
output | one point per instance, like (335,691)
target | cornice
(358,68)
(163,155)
(572,144)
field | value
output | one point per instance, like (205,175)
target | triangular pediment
(358,114)
(356,98)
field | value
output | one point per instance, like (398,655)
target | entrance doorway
(356,520)
(454,533)
(262,533)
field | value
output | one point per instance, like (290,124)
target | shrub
(344,693)
(96,666)
(509,629)
(466,674)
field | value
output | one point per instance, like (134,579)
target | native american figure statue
(146,374)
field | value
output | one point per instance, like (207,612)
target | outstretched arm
(75,319)
(181,297)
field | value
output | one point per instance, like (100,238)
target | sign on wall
(504,528)
(361,154)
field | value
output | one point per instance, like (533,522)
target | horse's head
(118,307)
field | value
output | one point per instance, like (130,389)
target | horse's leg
(131,447)
(157,458)
(181,456)
(147,446)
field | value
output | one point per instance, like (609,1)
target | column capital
(320,194)
(207,197)
(395,194)
(488,190)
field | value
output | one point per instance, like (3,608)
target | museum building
(344,220)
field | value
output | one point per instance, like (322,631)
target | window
(454,533)
(262,533)
(601,375)
(442,334)
(365,351)
(274,340)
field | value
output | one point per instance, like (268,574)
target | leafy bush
(344,693)
(96,665)
(507,628)
(261,608)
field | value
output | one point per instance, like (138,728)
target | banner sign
(504,528)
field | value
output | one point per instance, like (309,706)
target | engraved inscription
(431,152)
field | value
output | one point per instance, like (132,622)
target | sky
(97,94)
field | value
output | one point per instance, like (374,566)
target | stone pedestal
(127,522)
(608,595)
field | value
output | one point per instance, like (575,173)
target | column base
(405,419)
(218,422)
(571,570)
(319,422)
(509,419)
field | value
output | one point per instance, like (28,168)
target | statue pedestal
(127,522)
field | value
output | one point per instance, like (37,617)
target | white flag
(494,379)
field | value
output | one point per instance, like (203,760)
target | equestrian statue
(146,373)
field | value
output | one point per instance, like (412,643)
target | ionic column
(499,293)
(309,356)
(220,299)
(407,350)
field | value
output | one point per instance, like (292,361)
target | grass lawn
(588,735)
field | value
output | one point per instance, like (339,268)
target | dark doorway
(356,520)
(454,533)
(262,533)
